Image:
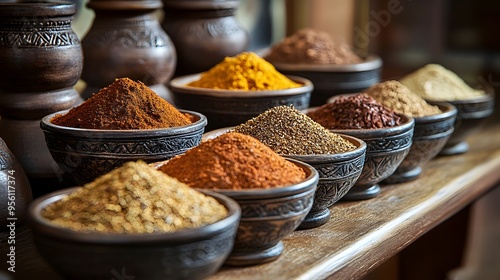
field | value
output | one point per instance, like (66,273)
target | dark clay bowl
(337,174)
(330,80)
(471,115)
(268,216)
(386,148)
(85,154)
(232,107)
(430,134)
(185,254)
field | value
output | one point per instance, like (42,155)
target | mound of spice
(401,99)
(310,46)
(435,82)
(358,111)
(287,131)
(246,71)
(125,104)
(233,161)
(135,198)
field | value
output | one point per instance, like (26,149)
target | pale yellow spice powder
(246,71)
(435,82)
(135,198)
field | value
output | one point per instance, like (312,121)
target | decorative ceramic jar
(126,40)
(41,60)
(204,32)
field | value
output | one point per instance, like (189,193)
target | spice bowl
(185,254)
(471,115)
(337,174)
(386,148)
(430,134)
(268,216)
(85,154)
(331,80)
(225,108)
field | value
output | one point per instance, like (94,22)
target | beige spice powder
(135,198)
(401,99)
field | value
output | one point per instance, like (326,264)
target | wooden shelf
(360,235)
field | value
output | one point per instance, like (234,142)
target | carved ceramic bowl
(337,174)
(269,215)
(84,154)
(430,134)
(331,80)
(185,254)
(386,148)
(471,115)
(232,107)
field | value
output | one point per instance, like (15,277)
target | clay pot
(203,32)
(15,191)
(41,61)
(126,40)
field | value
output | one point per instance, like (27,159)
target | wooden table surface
(360,235)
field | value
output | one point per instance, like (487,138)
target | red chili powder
(125,104)
(233,161)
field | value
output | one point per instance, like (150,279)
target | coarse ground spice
(233,161)
(401,99)
(358,111)
(125,104)
(135,198)
(310,46)
(287,131)
(246,71)
(435,82)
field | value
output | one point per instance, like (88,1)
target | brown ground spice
(287,131)
(135,198)
(401,99)
(358,111)
(233,161)
(125,104)
(310,46)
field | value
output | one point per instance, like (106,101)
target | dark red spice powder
(359,111)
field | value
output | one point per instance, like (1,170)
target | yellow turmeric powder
(246,71)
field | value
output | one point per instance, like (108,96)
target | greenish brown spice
(401,99)
(135,198)
(288,131)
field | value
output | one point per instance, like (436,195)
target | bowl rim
(178,85)
(371,62)
(448,111)
(43,226)
(48,126)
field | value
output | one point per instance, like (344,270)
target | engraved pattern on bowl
(85,154)
(185,254)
